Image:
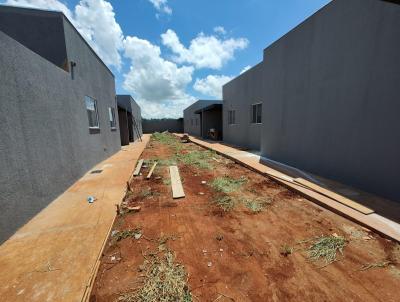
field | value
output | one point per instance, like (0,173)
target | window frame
(113,122)
(96,110)
(256,106)
(232,117)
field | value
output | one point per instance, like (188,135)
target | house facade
(330,97)
(58,111)
(202,116)
(130,119)
(242,110)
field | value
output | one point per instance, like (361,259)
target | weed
(227,184)
(256,205)
(167,181)
(165,281)
(225,202)
(147,192)
(167,138)
(381,264)
(119,235)
(200,159)
(326,247)
(286,250)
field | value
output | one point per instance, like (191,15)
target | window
(91,109)
(191,121)
(111,114)
(256,111)
(231,117)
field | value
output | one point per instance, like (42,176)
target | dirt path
(238,255)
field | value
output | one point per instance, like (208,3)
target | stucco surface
(239,94)
(46,143)
(331,96)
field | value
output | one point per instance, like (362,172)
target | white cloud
(158,84)
(220,30)
(161,6)
(245,69)
(43,4)
(204,51)
(94,19)
(212,85)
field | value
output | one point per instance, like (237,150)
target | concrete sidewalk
(374,221)
(54,257)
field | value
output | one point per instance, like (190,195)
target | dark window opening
(256,111)
(231,117)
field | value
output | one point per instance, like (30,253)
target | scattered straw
(119,235)
(164,281)
(381,264)
(326,247)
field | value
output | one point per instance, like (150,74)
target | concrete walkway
(54,257)
(374,221)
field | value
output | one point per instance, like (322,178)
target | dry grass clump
(165,281)
(119,235)
(226,203)
(286,250)
(227,184)
(326,247)
(380,264)
(256,205)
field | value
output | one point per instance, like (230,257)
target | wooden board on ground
(343,200)
(151,170)
(176,184)
(138,167)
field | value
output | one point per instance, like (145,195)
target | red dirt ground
(247,264)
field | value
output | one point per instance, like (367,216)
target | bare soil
(237,255)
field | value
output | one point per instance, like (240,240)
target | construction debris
(185,138)
(91,199)
(151,170)
(138,167)
(176,184)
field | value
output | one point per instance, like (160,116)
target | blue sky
(168,53)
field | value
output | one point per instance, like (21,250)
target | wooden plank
(138,167)
(151,170)
(343,200)
(176,184)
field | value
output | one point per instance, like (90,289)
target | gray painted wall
(331,95)
(239,94)
(40,31)
(46,144)
(161,125)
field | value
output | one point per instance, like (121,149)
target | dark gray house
(130,119)
(330,96)
(203,116)
(57,111)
